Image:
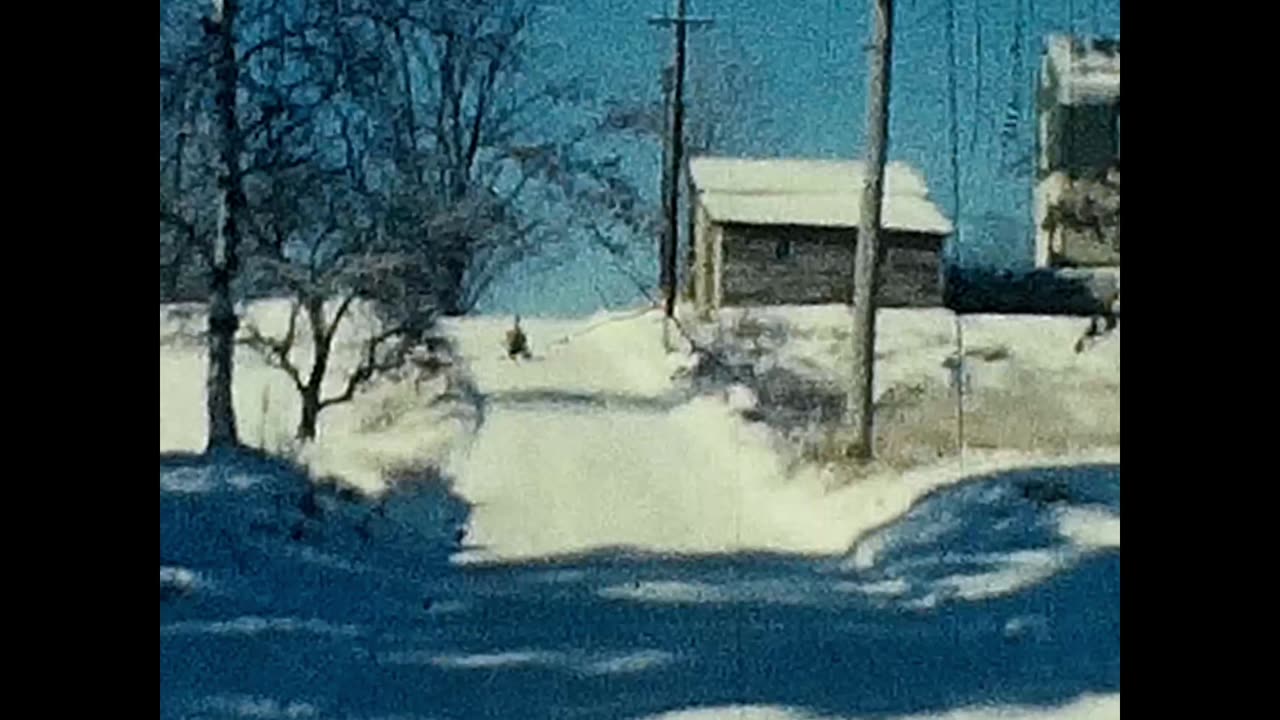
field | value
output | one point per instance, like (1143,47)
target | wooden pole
(859,405)
(953,103)
(669,198)
(675,159)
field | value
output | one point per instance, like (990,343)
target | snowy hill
(609,531)
(603,439)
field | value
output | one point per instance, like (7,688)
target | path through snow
(592,445)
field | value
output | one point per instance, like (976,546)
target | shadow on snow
(370,627)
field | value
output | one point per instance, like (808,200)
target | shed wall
(771,265)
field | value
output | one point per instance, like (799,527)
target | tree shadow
(786,398)
(585,401)
(620,633)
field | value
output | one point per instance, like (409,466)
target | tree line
(390,153)
(399,155)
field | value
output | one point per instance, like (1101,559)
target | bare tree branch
(277,352)
(338,316)
(368,367)
(278,42)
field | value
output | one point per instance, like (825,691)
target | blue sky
(806,61)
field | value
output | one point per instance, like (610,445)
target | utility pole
(858,409)
(669,196)
(953,92)
(668,92)
(675,157)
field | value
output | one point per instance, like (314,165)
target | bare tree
(181,148)
(343,255)
(476,133)
(393,154)
(423,198)
(223,321)
(867,256)
(209,73)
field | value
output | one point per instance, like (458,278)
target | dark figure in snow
(517,343)
(1101,325)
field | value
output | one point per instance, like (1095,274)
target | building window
(783,250)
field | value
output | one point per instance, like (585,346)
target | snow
(325,624)
(797,176)
(251,625)
(1031,525)
(257,707)
(622,522)
(1090,527)
(810,192)
(1086,73)
(832,209)
(180,580)
(584,664)
(1088,707)
(594,443)
(358,447)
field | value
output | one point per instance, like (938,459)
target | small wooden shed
(783,231)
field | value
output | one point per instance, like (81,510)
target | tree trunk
(223,322)
(322,342)
(453,293)
(310,413)
(858,408)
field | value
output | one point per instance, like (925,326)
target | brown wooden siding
(772,265)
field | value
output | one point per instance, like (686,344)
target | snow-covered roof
(823,193)
(1087,70)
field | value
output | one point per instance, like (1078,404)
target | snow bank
(1088,707)
(277,554)
(179,581)
(1090,527)
(991,537)
(1025,386)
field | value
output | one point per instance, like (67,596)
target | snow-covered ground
(994,598)
(646,547)
(388,428)
(598,442)
(601,440)
(1090,707)
(1026,388)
